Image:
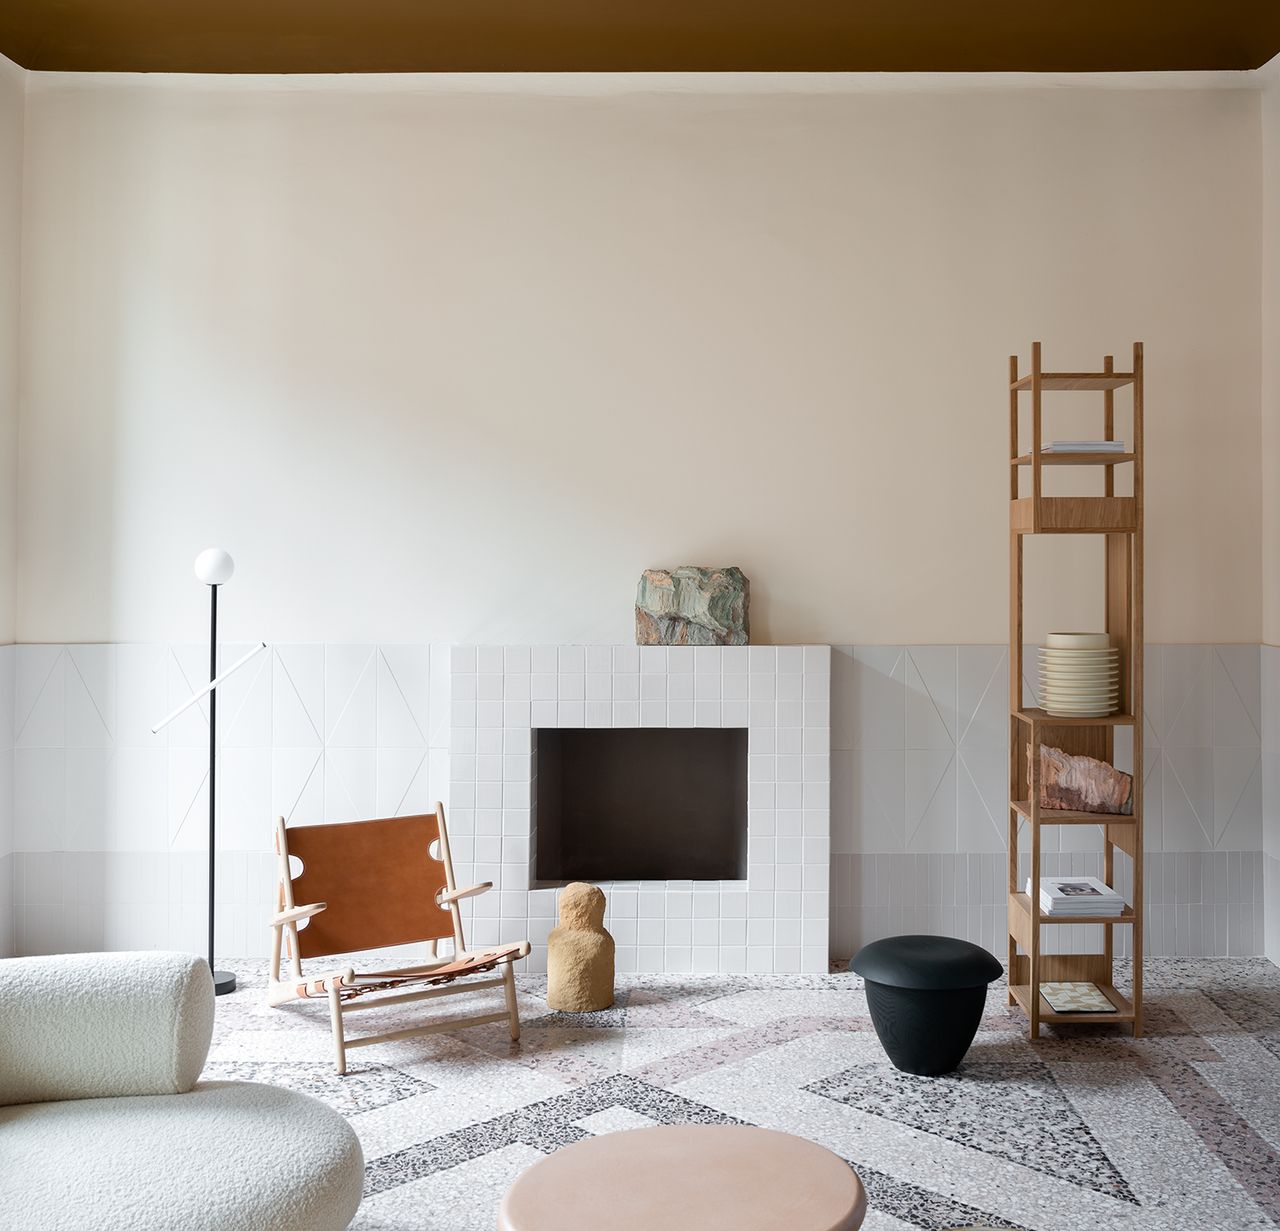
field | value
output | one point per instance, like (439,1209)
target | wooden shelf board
(1033,715)
(1061,816)
(1022,902)
(1074,515)
(1100,381)
(1074,459)
(1021,992)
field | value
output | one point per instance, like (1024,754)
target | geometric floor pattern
(1086,1129)
(1013,1109)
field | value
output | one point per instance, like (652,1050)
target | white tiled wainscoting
(1271,892)
(102,824)
(919,768)
(8,908)
(313,732)
(1270,684)
(1199,903)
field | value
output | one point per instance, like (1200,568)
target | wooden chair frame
(349,991)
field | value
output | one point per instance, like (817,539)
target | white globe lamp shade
(214,566)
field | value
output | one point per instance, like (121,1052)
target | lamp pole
(214,567)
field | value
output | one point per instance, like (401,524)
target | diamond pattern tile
(351,696)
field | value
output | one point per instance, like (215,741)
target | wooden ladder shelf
(1118,517)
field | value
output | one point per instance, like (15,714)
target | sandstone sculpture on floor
(692,606)
(580,953)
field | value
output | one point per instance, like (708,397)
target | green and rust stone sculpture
(692,606)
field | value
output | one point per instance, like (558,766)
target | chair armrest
(314,986)
(456,895)
(294,913)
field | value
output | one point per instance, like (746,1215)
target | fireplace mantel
(774,920)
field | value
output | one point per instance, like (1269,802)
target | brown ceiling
(294,36)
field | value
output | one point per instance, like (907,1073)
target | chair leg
(513,1013)
(339,1041)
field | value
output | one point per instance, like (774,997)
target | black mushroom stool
(926,995)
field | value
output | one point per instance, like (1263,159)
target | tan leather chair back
(380,881)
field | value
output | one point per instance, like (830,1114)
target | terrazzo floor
(1085,1129)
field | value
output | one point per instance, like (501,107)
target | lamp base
(223,982)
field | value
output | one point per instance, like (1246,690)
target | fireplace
(512,825)
(624,804)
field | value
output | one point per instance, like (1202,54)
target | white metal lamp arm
(208,688)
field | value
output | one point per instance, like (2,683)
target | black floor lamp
(214,568)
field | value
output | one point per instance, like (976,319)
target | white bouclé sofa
(104,1123)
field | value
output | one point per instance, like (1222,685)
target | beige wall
(457,365)
(1271,503)
(12,94)
(1271,353)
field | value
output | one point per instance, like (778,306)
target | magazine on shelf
(1076,998)
(1086,446)
(1077,895)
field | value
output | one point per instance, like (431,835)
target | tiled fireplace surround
(776,920)
(101,823)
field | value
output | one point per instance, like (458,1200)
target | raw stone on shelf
(692,606)
(1082,784)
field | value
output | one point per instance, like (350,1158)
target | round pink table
(687,1177)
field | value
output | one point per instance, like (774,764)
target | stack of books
(1077,895)
(1086,446)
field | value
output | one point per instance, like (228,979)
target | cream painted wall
(12,97)
(457,365)
(1270,658)
(1270,96)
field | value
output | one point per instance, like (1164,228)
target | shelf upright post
(1037,445)
(1036,440)
(1015,663)
(1112,583)
(1109,425)
(1033,994)
(1136,703)
(1013,427)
